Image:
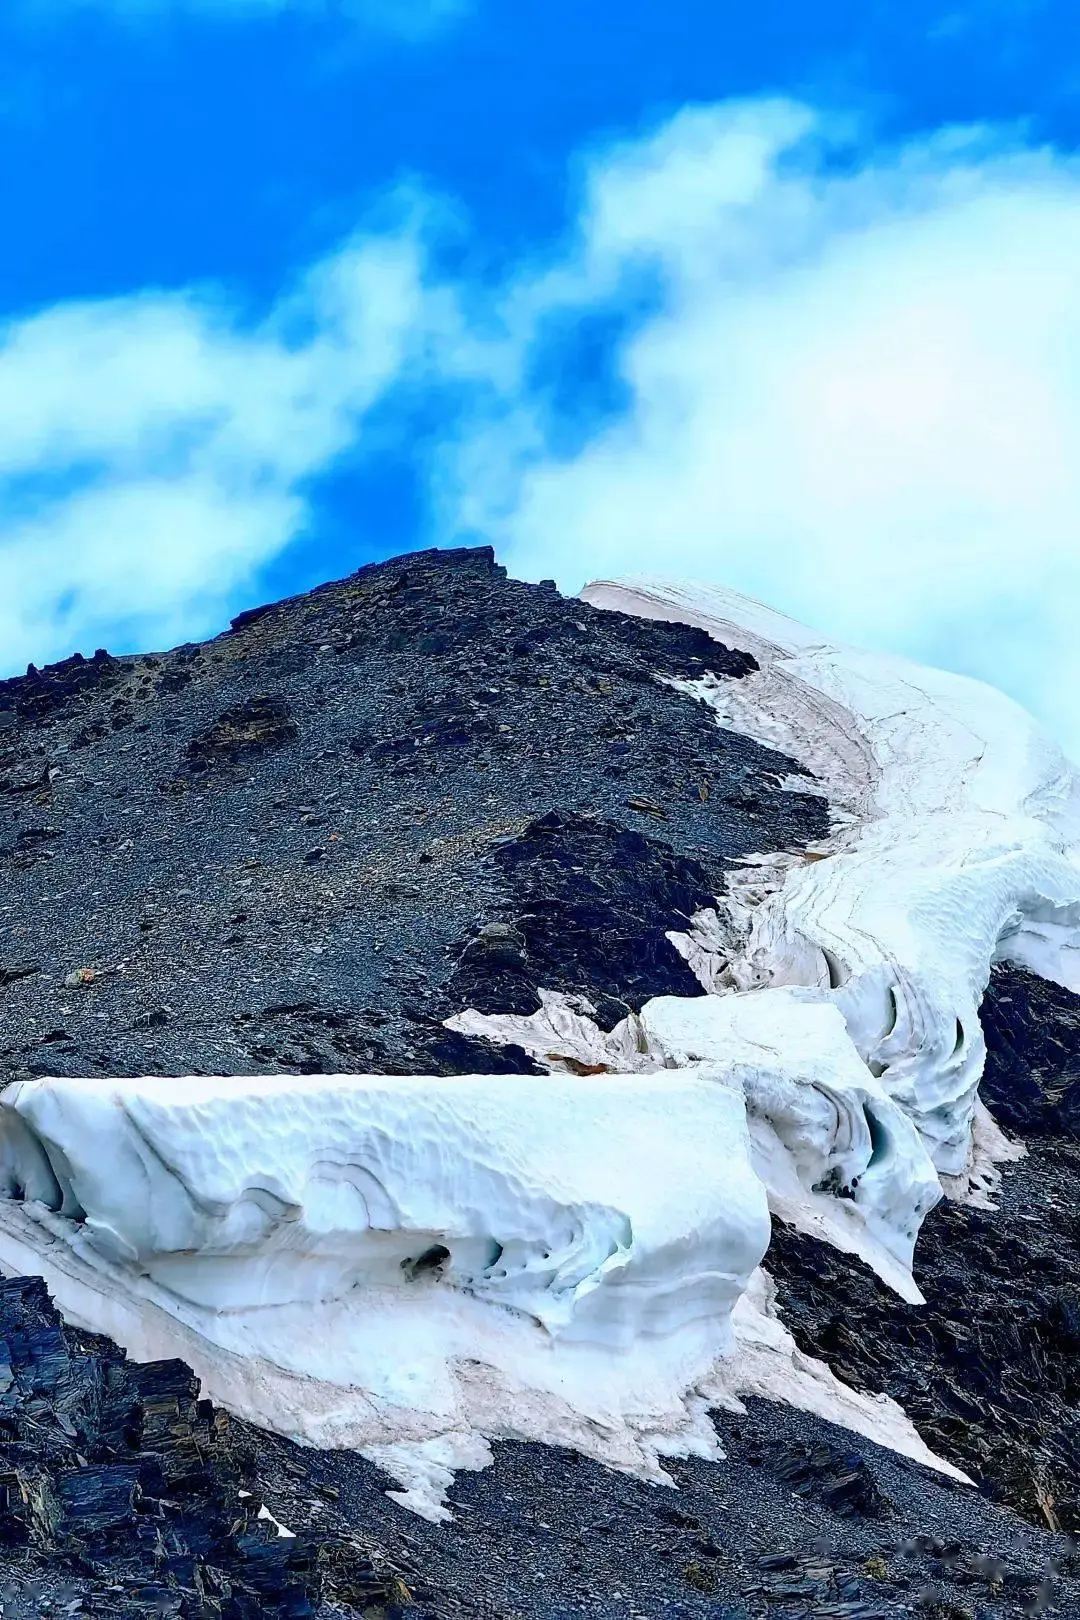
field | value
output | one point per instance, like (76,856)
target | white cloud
(855,393)
(859,397)
(156,450)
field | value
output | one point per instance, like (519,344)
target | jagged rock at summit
(301,848)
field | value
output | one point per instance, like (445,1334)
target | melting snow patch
(265,1513)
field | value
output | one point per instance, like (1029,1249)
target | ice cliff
(960,846)
(415,1266)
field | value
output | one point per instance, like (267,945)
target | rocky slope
(303,845)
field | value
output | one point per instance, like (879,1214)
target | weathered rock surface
(123,1495)
(801,1522)
(1032,1076)
(280,850)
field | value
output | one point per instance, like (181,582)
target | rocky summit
(301,847)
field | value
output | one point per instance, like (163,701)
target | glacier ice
(840,1159)
(959,845)
(265,1193)
(416,1266)
(371,1261)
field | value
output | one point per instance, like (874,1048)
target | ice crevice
(415,1267)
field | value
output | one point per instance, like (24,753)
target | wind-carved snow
(415,1267)
(839,1158)
(403,1266)
(962,847)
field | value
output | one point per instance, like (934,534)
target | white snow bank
(378,1262)
(961,846)
(838,1156)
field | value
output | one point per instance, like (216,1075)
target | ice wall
(838,1156)
(375,1261)
(958,845)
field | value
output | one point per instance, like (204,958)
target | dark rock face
(278,851)
(256,726)
(587,906)
(1032,1078)
(120,1491)
(36,694)
(989,1369)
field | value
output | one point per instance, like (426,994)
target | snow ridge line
(957,845)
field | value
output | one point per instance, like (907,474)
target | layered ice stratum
(414,1267)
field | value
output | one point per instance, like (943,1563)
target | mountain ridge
(284,935)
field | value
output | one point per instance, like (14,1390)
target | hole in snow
(428,1263)
(837,973)
(894,1014)
(833,1183)
(879,1139)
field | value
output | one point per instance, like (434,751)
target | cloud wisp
(155,451)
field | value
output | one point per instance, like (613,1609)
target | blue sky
(782,296)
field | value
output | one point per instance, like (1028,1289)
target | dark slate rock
(120,1491)
(989,1369)
(1032,1078)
